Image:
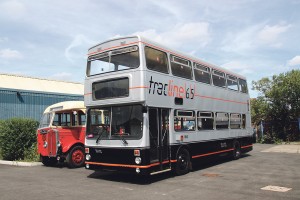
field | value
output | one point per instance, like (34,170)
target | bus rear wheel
(49,161)
(183,162)
(75,157)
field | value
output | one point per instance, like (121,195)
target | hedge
(17,136)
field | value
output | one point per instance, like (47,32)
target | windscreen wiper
(123,140)
(100,135)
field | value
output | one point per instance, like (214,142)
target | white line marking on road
(276,188)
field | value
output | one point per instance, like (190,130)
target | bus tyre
(75,157)
(49,161)
(183,162)
(236,150)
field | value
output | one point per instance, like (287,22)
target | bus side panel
(70,136)
(207,149)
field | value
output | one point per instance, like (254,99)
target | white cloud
(238,67)
(181,35)
(3,39)
(78,41)
(294,61)
(241,41)
(10,54)
(270,34)
(12,9)
(255,37)
(63,76)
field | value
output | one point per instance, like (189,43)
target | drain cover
(276,188)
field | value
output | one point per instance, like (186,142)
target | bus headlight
(137,170)
(45,144)
(138,160)
(88,157)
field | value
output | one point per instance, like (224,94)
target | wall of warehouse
(29,104)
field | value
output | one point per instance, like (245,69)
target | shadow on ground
(144,180)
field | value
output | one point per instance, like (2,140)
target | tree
(279,101)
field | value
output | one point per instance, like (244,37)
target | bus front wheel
(183,162)
(75,157)
(236,150)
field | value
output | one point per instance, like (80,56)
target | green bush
(31,154)
(17,135)
(270,139)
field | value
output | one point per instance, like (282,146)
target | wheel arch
(184,146)
(66,149)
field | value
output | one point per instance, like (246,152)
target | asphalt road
(240,179)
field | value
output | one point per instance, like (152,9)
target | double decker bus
(61,134)
(161,109)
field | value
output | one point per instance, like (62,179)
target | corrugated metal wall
(29,104)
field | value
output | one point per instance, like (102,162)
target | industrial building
(27,97)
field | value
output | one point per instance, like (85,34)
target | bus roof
(156,45)
(66,105)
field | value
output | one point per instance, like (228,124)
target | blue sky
(50,38)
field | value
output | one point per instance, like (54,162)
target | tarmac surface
(267,172)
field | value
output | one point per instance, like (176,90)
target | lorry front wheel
(75,157)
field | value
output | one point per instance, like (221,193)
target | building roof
(19,82)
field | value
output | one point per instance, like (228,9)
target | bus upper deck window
(156,60)
(243,86)
(202,73)
(219,78)
(181,67)
(232,83)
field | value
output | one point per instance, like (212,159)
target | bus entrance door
(159,139)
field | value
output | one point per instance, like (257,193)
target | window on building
(219,78)
(232,83)
(235,121)
(181,67)
(222,120)
(243,86)
(156,60)
(184,120)
(205,121)
(202,73)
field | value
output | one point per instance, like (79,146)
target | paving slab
(19,163)
(287,148)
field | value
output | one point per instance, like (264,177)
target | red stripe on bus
(124,45)
(219,99)
(212,153)
(201,96)
(243,147)
(126,166)
(138,87)
(207,97)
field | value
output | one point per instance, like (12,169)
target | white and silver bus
(151,109)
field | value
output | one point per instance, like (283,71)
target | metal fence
(272,129)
